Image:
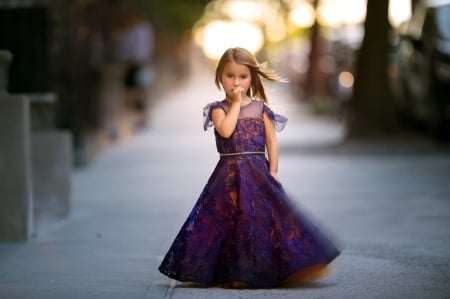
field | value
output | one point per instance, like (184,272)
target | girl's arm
(272,146)
(226,123)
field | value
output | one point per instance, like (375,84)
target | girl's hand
(275,176)
(236,94)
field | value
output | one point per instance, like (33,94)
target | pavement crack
(170,289)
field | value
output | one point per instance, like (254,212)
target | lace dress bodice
(249,134)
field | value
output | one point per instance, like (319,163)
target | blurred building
(54,50)
(78,51)
(67,48)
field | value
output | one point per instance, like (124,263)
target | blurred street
(388,202)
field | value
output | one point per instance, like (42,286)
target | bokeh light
(255,23)
(303,15)
(247,10)
(336,13)
(217,36)
(399,11)
(346,79)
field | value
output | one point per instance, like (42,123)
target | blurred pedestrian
(135,44)
(243,230)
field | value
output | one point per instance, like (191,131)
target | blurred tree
(174,17)
(371,108)
(172,22)
(315,84)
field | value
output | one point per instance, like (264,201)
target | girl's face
(235,75)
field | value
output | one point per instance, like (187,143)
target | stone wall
(35,166)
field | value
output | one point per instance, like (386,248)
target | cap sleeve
(207,121)
(279,121)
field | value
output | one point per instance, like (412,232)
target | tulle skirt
(244,231)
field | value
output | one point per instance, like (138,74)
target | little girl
(243,230)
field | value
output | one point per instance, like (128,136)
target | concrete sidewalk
(388,202)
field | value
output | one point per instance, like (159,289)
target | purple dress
(243,226)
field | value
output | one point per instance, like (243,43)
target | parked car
(422,59)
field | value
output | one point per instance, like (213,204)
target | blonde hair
(257,70)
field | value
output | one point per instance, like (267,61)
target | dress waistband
(241,153)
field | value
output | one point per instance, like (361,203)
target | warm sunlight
(303,15)
(217,36)
(399,11)
(247,10)
(335,13)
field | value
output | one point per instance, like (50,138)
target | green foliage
(175,16)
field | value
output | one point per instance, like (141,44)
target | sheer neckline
(255,109)
(242,106)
